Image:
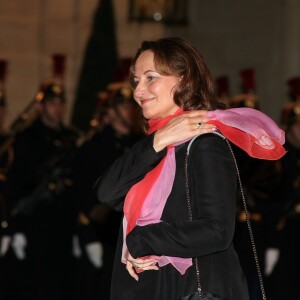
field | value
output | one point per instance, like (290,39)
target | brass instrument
(27,116)
(30,112)
(24,119)
(97,121)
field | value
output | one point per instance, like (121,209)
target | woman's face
(154,92)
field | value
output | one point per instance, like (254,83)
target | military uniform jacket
(37,149)
(213,185)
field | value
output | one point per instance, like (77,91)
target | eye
(135,82)
(150,77)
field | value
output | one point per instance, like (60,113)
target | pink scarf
(249,129)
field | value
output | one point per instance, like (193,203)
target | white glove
(5,243)
(76,250)
(271,259)
(95,254)
(19,243)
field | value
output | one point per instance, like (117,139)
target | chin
(147,115)
(151,115)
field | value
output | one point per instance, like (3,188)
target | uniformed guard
(116,130)
(223,89)
(247,97)
(40,223)
(260,179)
(6,158)
(291,110)
(6,153)
(284,280)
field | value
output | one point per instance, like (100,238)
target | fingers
(190,118)
(182,128)
(192,123)
(204,128)
(196,116)
(148,265)
(142,261)
(134,266)
(131,270)
(152,267)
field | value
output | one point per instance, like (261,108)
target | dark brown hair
(175,56)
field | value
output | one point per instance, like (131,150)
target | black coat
(213,185)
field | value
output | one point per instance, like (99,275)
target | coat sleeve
(213,184)
(126,171)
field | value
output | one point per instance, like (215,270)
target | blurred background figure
(115,128)
(247,97)
(284,280)
(291,110)
(3,71)
(6,153)
(260,179)
(6,158)
(39,261)
(223,89)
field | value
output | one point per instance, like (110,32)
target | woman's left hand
(182,128)
(134,265)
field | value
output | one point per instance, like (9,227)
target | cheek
(58,111)
(165,90)
(135,98)
(156,89)
(169,92)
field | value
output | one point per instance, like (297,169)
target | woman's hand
(181,128)
(134,265)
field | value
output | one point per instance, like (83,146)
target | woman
(174,89)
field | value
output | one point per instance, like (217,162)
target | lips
(144,101)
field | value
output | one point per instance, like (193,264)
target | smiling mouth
(145,101)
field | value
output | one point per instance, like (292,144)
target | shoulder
(211,153)
(36,128)
(209,141)
(210,147)
(28,132)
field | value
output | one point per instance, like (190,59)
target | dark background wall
(231,34)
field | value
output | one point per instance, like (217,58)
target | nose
(139,90)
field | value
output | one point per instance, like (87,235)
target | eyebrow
(147,71)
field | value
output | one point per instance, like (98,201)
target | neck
(51,123)
(157,124)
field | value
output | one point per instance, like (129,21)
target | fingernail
(214,129)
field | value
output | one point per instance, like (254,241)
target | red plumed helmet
(59,62)
(222,85)
(248,79)
(121,73)
(3,69)
(294,86)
